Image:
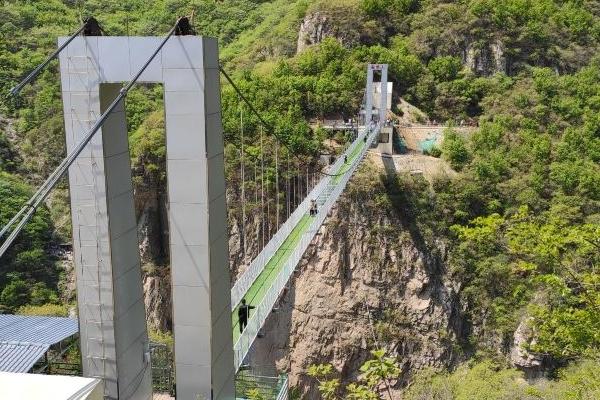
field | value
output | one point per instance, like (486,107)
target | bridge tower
(114,340)
(380,104)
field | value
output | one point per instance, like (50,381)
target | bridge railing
(245,281)
(262,311)
(247,278)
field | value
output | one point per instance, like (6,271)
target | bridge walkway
(263,291)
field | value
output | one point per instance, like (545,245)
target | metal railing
(327,199)
(247,278)
(284,390)
(271,385)
(257,265)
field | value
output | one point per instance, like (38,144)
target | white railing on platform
(332,191)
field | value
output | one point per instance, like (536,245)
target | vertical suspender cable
(287,175)
(243,182)
(293,192)
(268,211)
(277,182)
(255,181)
(262,187)
(299,184)
(307,191)
(59,172)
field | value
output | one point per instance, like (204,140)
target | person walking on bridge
(313,207)
(244,314)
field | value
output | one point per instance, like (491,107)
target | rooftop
(25,339)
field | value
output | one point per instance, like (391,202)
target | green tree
(454,149)
(376,376)
(15,294)
(445,68)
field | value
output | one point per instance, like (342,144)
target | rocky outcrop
(338,21)
(313,30)
(150,206)
(533,365)
(157,299)
(485,59)
(368,280)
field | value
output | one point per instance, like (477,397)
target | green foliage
(48,309)
(434,151)
(376,373)
(529,173)
(148,151)
(379,8)
(454,149)
(40,294)
(27,273)
(15,293)
(491,381)
(255,394)
(161,337)
(445,68)
(8,157)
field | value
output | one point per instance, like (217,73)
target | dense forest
(521,219)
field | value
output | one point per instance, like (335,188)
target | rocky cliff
(320,25)
(343,22)
(368,280)
(350,27)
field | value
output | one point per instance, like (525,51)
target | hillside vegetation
(521,220)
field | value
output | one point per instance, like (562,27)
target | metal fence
(162,368)
(327,197)
(270,386)
(63,368)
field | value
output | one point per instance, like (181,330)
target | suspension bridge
(210,347)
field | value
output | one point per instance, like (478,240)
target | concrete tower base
(114,341)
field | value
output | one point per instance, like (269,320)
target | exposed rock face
(157,299)
(533,365)
(486,59)
(336,21)
(68,286)
(150,206)
(313,29)
(366,279)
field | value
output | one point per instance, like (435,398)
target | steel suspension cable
(34,202)
(264,123)
(33,74)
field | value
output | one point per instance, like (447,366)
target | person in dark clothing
(244,314)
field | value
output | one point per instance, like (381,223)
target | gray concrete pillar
(384,86)
(369,96)
(113,334)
